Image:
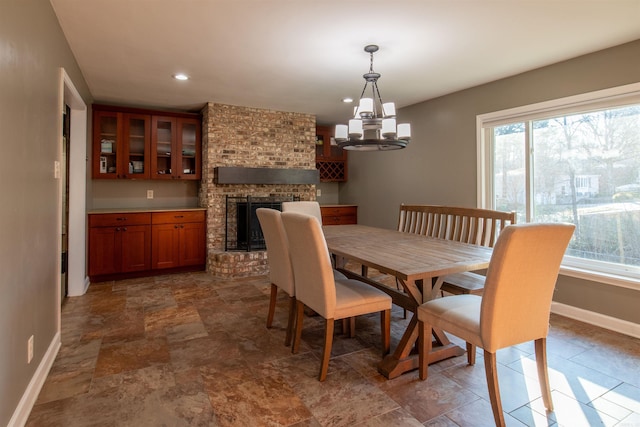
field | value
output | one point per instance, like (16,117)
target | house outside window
(571,160)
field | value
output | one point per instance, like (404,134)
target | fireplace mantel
(242,175)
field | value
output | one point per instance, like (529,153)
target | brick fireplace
(254,138)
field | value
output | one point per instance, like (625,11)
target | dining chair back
(280,269)
(317,287)
(515,306)
(304,207)
(468,225)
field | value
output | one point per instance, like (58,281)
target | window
(572,160)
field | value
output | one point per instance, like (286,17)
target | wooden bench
(467,225)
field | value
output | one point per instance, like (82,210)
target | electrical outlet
(149,194)
(30,349)
(56,169)
(318,193)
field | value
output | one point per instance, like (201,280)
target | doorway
(64,175)
(72,187)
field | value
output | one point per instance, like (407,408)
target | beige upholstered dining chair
(303,207)
(316,287)
(515,306)
(280,269)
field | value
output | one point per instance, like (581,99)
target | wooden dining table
(419,264)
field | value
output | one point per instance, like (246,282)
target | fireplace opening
(242,228)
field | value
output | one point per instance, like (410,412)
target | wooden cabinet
(178,239)
(175,148)
(120,145)
(119,243)
(339,214)
(331,160)
(133,143)
(144,243)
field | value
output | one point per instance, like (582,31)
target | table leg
(405,356)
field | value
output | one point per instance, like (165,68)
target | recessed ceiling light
(180,76)
(347,100)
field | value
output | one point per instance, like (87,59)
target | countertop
(142,210)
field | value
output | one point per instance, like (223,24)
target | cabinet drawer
(339,220)
(116,220)
(339,215)
(177,217)
(339,210)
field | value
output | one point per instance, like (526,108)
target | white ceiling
(306,55)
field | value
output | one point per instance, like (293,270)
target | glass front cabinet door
(175,143)
(163,145)
(121,142)
(137,139)
(107,131)
(189,142)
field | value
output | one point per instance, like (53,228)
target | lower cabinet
(126,244)
(339,214)
(178,239)
(119,243)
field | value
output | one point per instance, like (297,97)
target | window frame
(597,100)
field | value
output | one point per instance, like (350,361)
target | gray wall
(109,193)
(439,166)
(32,50)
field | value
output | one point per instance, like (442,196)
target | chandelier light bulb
(366,107)
(355,128)
(404,131)
(342,132)
(388,128)
(389,109)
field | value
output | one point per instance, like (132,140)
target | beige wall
(32,50)
(439,167)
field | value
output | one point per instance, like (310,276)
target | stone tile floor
(191,350)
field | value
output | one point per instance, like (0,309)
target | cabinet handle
(124,229)
(124,218)
(178,216)
(176,226)
(117,228)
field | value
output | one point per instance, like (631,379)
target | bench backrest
(468,225)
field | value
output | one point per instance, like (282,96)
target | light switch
(56,169)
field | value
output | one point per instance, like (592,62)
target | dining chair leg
(298,328)
(543,372)
(272,304)
(385,331)
(471,354)
(326,353)
(425,344)
(352,327)
(290,321)
(491,371)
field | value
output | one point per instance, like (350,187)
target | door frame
(77,279)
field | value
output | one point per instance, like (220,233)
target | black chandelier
(373,126)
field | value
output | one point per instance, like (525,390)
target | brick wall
(249,137)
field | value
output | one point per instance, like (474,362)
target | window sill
(597,276)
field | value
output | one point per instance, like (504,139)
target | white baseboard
(21,414)
(597,319)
